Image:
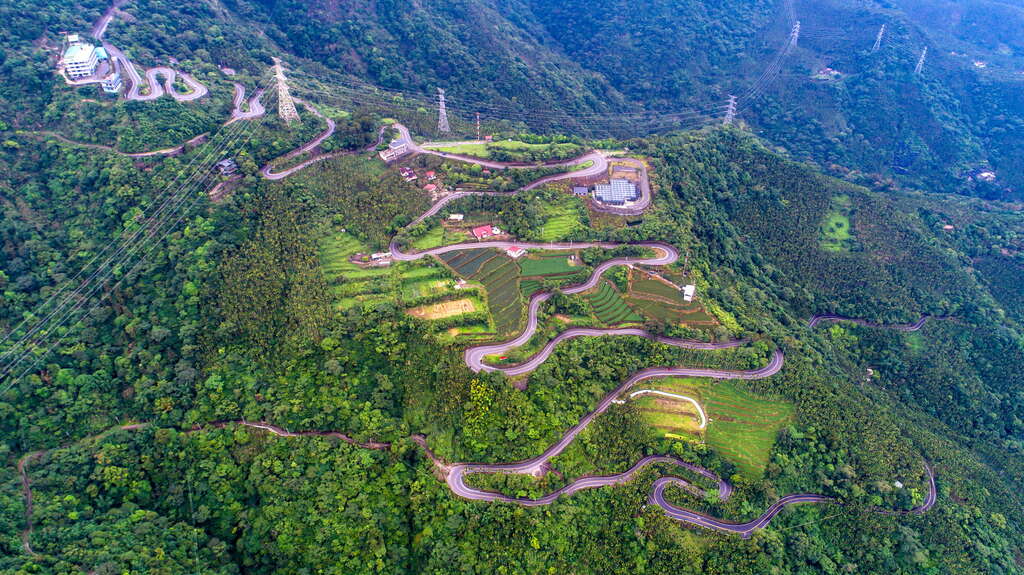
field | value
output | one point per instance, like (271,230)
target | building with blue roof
(80,58)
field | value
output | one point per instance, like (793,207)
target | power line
(153,224)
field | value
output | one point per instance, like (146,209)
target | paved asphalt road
(255,110)
(155,88)
(815,320)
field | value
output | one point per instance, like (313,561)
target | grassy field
(483,149)
(435,237)
(835,231)
(548,264)
(742,426)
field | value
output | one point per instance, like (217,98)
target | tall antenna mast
(920,61)
(442,114)
(878,39)
(730,112)
(285,105)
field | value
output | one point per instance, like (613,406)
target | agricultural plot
(560,220)
(444,309)
(529,287)
(610,308)
(741,425)
(548,264)
(352,285)
(499,275)
(691,315)
(658,289)
(663,302)
(467,263)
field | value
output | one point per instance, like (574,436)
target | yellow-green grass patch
(444,309)
(742,426)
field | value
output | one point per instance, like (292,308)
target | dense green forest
(134,446)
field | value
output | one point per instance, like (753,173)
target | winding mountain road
(255,107)
(173,151)
(455,474)
(817,319)
(154,88)
(135,81)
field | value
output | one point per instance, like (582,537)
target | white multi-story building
(111,83)
(396,149)
(80,58)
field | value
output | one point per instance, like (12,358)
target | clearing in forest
(835,233)
(742,426)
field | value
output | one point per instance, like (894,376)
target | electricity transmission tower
(285,105)
(730,112)
(442,114)
(478,125)
(878,39)
(794,35)
(920,61)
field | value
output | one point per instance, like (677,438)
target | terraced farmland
(562,219)
(499,275)
(657,288)
(467,263)
(351,284)
(691,314)
(663,302)
(610,308)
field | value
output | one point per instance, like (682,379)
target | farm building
(689,291)
(484,232)
(515,252)
(456,217)
(581,191)
(226,167)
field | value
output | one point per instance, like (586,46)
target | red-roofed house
(431,175)
(483,232)
(515,252)
(430,187)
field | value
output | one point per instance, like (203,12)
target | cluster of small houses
(409,175)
